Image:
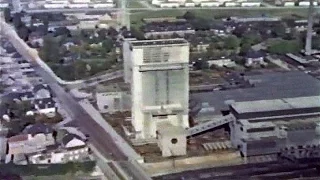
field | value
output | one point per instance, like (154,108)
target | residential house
(199,44)
(23,63)
(113,98)
(75,146)
(17,56)
(35,138)
(167,29)
(255,58)
(219,29)
(18,144)
(72,148)
(301,25)
(45,106)
(36,39)
(68,45)
(42,91)
(223,61)
(33,78)
(18,96)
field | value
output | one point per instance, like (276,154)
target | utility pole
(308,45)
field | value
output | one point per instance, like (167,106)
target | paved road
(83,10)
(97,135)
(96,80)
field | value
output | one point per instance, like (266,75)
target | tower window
(174,140)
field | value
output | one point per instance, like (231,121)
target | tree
(244,49)
(239,31)
(285,46)
(232,42)
(17,20)
(293,34)
(201,24)
(137,34)
(251,38)
(23,32)
(7,15)
(107,46)
(61,31)
(201,64)
(189,16)
(50,50)
(46,25)
(79,50)
(316,42)
(279,30)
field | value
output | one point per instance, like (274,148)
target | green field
(137,16)
(134,4)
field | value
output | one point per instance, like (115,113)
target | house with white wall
(34,139)
(255,58)
(72,148)
(42,91)
(221,62)
(113,98)
(45,106)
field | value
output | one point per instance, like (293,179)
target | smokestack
(308,47)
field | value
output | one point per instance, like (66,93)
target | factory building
(275,126)
(158,70)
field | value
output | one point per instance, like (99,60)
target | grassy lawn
(134,4)
(137,16)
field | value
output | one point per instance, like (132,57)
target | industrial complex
(165,97)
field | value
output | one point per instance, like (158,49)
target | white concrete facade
(289,4)
(59,156)
(158,70)
(307,3)
(220,62)
(54,6)
(251,4)
(190,4)
(110,102)
(210,4)
(30,144)
(169,5)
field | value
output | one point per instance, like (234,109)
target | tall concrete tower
(159,76)
(308,45)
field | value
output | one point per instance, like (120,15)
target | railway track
(269,170)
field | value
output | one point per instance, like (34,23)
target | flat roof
(158,42)
(268,86)
(262,124)
(276,104)
(167,129)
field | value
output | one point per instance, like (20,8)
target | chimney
(308,45)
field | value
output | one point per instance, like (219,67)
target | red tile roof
(17,138)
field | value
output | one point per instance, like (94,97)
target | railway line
(268,170)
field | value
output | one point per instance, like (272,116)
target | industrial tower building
(159,76)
